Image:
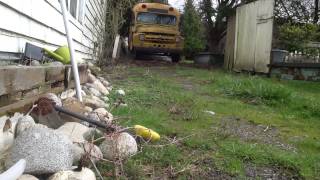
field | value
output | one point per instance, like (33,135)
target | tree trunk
(316,11)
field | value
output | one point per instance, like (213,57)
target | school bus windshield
(153,18)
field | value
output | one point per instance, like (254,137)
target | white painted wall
(40,22)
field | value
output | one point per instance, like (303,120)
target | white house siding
(40,22)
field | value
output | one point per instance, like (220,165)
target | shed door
(263,36)
(254,36)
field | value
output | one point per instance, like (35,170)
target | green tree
(297,11)
(192,30)
(295,37)
(214,14)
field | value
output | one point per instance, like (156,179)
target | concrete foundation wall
(308,72)
(28,82)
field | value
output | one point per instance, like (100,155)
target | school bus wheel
(176,58)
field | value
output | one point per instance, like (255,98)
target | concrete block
(16,96)
(24,82)
(307,72)
(315,78)
(4,100)
(55,73)
(27,77)
(5,80)
(31,93)
(287,77)
(275,71)
(83,74)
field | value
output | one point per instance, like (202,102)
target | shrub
(296,37)
(192,30)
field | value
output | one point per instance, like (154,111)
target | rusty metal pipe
(81,117)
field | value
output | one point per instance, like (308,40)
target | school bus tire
(176,58)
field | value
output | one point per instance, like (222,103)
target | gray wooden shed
(249,37)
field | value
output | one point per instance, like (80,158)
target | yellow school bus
(155,29)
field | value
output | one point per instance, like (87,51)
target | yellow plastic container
(62,54)
(146,133)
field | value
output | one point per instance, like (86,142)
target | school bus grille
(160,38)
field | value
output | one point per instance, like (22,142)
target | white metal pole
(72,53)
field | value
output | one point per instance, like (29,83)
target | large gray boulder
(14,120)
(104,81)
(27,177)
(91,78)
(98,86)
(7,132)
(74,105)
(88,109)
(24,123)
(104,115)
(6,140)
(35,63)
(68,94)
(101,111)
(105,99)
(94,102)
(76,132)
(54,98)
(84,174)
(56,63)
(119,146)
(86,149)
(94,92)
(45,150)
(121,92)
(6,135)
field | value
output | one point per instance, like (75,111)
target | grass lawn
(262,128)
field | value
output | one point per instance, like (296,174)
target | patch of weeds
(134,170)
(106,169)
(205,168)
(197,143)
(262,155)
(269,172)
(183,112)
(252,132)
(161,157)
(255,90)
(305,107)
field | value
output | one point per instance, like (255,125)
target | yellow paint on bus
(155,28)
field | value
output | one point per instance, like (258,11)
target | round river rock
(45,151)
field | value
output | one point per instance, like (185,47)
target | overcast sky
(180,3)
(177,4)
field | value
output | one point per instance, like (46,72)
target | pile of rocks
(54,145)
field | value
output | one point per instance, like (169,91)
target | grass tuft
(255,90)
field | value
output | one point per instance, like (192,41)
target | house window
(73,8)
(76,9)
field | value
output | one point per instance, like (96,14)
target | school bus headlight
(142,37)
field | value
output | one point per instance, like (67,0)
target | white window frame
(80,10)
